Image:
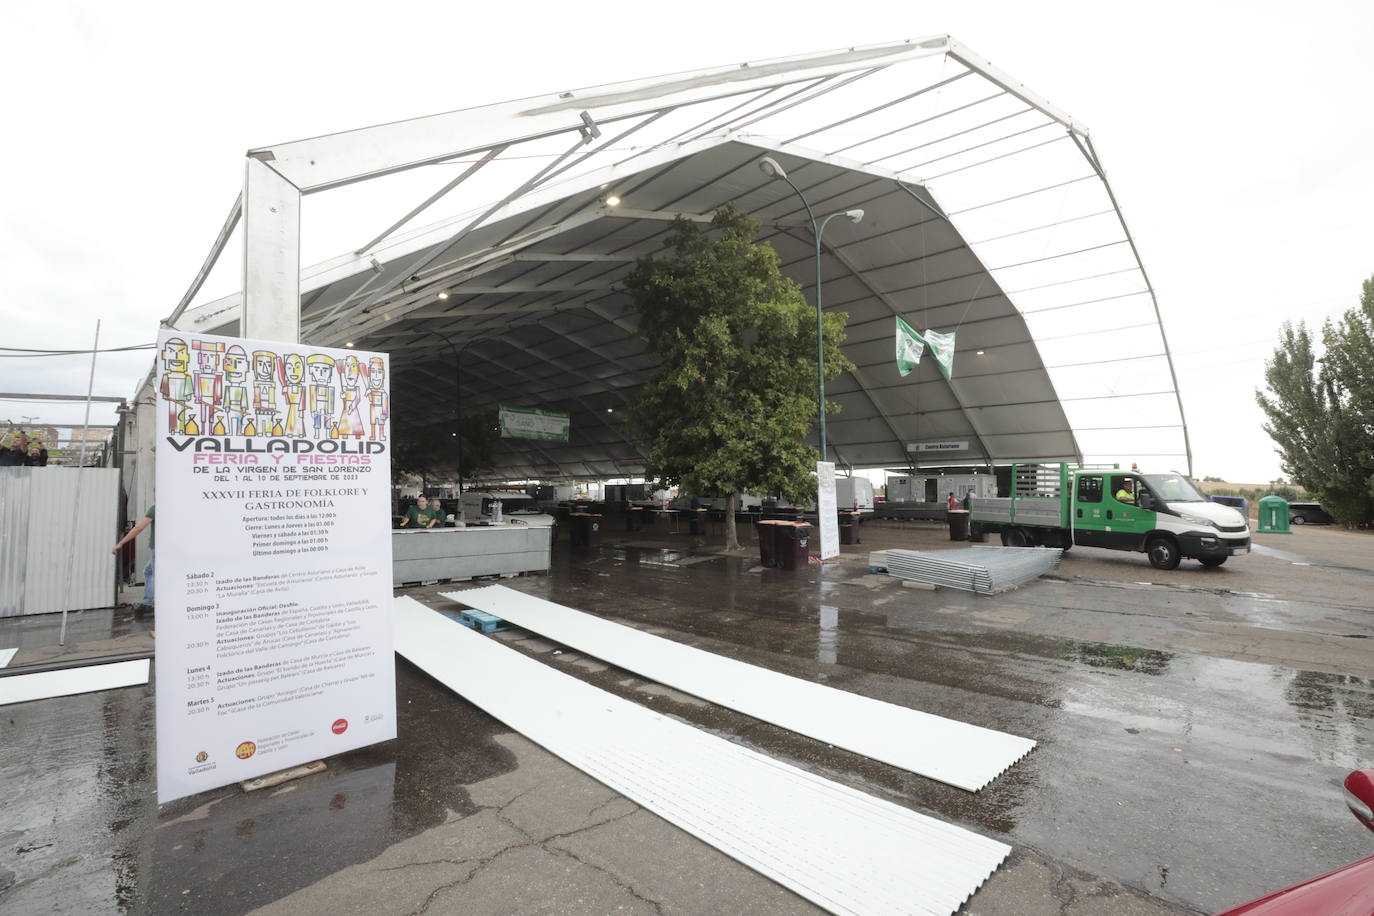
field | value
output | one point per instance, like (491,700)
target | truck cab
(1162,515)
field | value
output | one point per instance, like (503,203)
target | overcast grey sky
(1237,137)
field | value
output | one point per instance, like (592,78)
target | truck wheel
(1163,553)
(1015,537)
(1212,562)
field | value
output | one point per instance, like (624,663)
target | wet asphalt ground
(1193,729)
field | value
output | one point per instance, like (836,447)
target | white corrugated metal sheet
(963,755)
(20,688)
(14,538)
(843,850)
(57,526)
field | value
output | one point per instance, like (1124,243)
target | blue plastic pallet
(482,621)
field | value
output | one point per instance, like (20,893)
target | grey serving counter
(463,553)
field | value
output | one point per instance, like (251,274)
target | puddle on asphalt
(1121,658)
(660,556)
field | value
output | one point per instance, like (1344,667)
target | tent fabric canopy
(986,213)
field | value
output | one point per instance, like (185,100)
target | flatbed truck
(1160,515)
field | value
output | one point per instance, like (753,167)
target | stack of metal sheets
(982,570)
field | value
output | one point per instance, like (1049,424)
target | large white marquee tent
(509,228)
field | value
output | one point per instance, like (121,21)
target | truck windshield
(1173,488)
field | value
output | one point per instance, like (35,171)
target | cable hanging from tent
(27,353)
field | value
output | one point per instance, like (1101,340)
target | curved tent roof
(986,209)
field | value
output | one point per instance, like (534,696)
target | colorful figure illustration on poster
(176,384)
(293,392)
(320,368)
(351,416)
(378,400)
(267,395)
(209,382)
(235,390)
(264,422)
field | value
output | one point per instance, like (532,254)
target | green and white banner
(909,347)
(533,423)
(942,348)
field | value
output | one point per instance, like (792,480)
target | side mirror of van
(1145,499)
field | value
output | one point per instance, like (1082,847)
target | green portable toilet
(1273,515)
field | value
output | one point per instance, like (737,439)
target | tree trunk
(731,535)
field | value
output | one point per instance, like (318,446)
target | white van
(516,508)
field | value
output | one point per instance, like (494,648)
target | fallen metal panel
(963,755)
(24,687)
(843,850)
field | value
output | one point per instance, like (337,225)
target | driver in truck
(1125,490)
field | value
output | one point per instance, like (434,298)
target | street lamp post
(457,409)
(772,169)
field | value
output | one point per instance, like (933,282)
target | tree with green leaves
(735,393)
(432,451)
(1321,410)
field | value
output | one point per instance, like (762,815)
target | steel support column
(271,255)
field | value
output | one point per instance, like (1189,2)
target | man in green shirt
(146,605)
(420,515)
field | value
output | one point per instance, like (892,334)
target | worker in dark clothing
(15,451)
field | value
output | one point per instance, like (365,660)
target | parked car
(1308,514)
(1235,502)
(1347,891)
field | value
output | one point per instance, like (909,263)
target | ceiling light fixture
(611,200)
(980,352)
(443,295)
(349,344)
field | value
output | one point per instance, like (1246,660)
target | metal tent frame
(988,212)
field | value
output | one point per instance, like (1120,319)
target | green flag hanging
(942,348)
(909,346)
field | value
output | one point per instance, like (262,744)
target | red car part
(1347,891)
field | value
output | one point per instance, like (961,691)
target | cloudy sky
(1237,137)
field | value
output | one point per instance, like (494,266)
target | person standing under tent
(420,515)
(146,605)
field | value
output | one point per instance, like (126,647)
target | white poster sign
(826,510)
(273,558)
